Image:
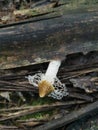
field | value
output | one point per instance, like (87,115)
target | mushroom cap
(45,88)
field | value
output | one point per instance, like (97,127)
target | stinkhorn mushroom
(48,83)
(47,80)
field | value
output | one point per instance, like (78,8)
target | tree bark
(50,36)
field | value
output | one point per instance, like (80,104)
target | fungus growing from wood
(47,80)
(48,83)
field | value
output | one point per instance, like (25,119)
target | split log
(49,36)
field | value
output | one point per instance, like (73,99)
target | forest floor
(21,107)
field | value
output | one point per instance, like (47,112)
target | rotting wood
(18,85)
(16,80)
(56,104)
(3,127)
(81,96)
(69,118)
(48,38)
(79,36)
(34,109)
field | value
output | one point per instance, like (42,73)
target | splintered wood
(81,79)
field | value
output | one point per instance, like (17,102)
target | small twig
(34,109)
(81,96)
(3,127)
(79,72)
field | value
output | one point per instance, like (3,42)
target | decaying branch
(69,118)
(30,110)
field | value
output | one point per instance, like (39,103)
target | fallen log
(53,35)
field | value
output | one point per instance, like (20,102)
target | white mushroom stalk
(48,83)
(47,80)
